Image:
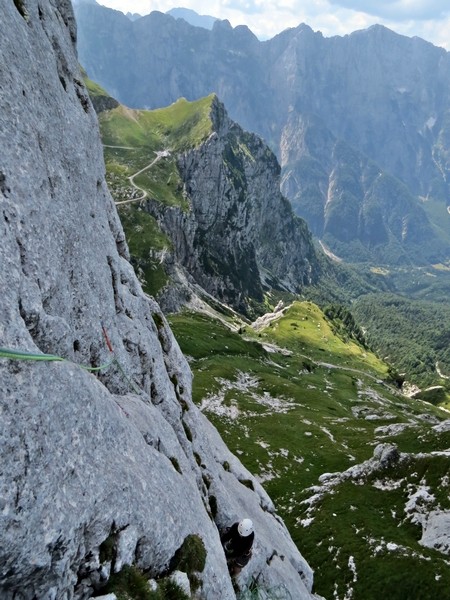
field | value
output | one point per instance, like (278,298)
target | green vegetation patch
(185,124)
(414,335)
(191,556)
(304,327)
(179,127)
(144,234)
(94,89)
(203,336)
(131,584)
(147,244)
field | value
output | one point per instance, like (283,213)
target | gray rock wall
(87,457)
(348,202)
(240,234)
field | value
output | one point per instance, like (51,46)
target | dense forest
(412,335)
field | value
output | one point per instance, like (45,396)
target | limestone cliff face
(356,208)
(123,454)
(240,234)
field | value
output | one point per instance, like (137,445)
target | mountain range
(359,123)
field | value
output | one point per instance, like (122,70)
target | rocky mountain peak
(222,25)
(239,235)
(192,17)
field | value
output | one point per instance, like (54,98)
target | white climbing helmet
(245,527)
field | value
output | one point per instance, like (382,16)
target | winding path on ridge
(159,155)
(439,372)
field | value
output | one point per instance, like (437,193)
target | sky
(428,19)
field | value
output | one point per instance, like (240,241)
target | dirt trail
(159,155)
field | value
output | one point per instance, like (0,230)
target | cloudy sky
(429,19)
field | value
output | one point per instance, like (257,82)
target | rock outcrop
(436,531)
(239,235)
(118,458)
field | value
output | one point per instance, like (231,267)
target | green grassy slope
(134,140)
(293,401)
(95,90)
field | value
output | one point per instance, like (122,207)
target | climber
(237,542)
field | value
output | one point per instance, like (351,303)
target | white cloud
(398,9)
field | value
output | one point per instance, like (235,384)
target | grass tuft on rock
(190,556)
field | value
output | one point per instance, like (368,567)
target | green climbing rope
(100,368)
(127,378)
(22,355)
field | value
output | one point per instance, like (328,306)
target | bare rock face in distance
(122,453)
(240,234)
